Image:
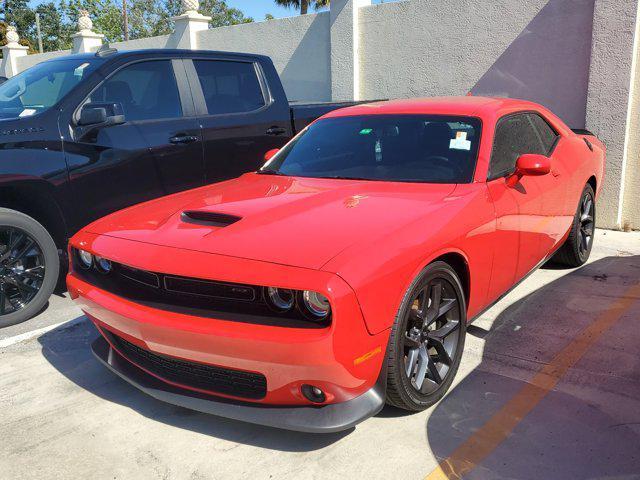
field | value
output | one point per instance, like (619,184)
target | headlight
(86,259)
(280,299)
(103,265)
(316,305)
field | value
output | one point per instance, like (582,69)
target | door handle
(183,139)
(276,131)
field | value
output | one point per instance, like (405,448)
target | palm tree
(303,5)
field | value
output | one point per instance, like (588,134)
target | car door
(156,151)
(239,118)
(521,217)
(553,186)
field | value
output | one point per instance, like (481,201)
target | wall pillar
(610,99)
(188,25)
(345,41)
(86,40)
(11,52)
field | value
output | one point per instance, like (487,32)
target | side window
(229,87)
(514,136)
(547,134)
(146,91)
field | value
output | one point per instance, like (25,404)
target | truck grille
(193,375)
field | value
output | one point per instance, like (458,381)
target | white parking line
(23,337)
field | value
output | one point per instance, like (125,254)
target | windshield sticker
(80,70)
(460,142)
(366,131)
(27,112)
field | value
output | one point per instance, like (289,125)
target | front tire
(577,247)
(29,267)
(427,339)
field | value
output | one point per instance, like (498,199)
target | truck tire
(29,267)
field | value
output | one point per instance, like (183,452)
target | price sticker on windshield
(460,142)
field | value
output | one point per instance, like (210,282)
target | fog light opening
(313,394)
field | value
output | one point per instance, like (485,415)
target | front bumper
(315,419)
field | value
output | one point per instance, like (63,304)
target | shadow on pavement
(588,426)
(69,351)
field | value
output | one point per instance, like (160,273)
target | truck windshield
(41,86)
(401,148)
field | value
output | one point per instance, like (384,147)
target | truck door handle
(183,139)
(276,131)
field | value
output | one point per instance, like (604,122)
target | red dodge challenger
(343,273)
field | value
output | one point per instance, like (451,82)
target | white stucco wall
(299,47)
(608,98)
(161,41)
(538,51)
(31,60)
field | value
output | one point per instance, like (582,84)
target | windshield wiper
(344,177)
(271,172)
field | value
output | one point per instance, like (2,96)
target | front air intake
(210,219)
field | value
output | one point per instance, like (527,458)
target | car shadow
(68,349)
(588,426)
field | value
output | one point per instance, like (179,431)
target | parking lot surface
(549,387)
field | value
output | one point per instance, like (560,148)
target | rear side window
(514,136)
(146,91)
(547,134)
(229,87)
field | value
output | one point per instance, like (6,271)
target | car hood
(301,222)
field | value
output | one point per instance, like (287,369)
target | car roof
(465,106)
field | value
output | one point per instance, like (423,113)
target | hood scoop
(209,219)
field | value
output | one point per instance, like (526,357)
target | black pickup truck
(84,135)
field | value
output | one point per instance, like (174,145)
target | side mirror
(94,116)
(90,115)
(270,154)
(529,164)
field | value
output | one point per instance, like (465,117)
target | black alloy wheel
(577,247)
(29,267)
(427,339)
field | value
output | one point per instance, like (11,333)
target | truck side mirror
(94,116)
(90,115)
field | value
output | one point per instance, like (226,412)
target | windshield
(403,148)
(40,87)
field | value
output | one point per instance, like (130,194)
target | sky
(255,9)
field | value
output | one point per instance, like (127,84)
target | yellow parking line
(479,445)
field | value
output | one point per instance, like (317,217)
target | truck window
(41,86)
(146,90)
(229,87)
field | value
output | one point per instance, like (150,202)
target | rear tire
(577,247)
(29,267)
(427,339)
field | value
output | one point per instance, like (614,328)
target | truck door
(240,117)
(155,151)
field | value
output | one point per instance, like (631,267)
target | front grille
(193,375)
(192,296)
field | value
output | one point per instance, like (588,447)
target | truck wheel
(577,247)
(427,339)
(29,267)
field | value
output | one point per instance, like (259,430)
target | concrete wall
(31,60)
(574,56)
(608,104)
(540,51)
(298,46)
